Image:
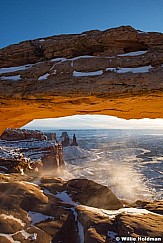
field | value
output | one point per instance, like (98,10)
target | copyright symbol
(117,239)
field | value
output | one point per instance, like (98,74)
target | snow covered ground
(76,154)
(30,148)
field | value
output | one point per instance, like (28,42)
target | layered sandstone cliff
(24,150)
(116,72)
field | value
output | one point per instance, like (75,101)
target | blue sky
(94,122)
(29,19)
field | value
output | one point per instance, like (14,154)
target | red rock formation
(110,52)
(105,43)
(54,159)
(74,142)
(93,72)
(66,139)
(21,134)
(30,152)
(53,136)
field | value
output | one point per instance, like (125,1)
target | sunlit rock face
(116,72)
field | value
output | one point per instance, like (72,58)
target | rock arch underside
(115,72)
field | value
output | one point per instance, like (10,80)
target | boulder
(9,225)
(92,194)
(21,194)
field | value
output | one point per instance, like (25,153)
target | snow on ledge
(14,78)
(134,53)
(14,69)
(144,69)
(114,213)
(142,32)
(80,57)
(43,77)
(58,59)
(86,74)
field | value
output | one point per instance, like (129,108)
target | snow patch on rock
(86,74)
(64,197)
(38,217)
(15,69)
(14,78)
(134,53)
(43,77)
(144,69)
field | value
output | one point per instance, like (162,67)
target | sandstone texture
(48,209)
(115,72)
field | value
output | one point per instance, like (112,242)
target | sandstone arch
(65,80)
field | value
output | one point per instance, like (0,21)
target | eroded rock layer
(116,72)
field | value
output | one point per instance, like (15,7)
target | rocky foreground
(47,209)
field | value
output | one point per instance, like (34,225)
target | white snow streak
(134,53)
(14,78)
(144,69)
(43,77)
(15,69)
(85,74)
